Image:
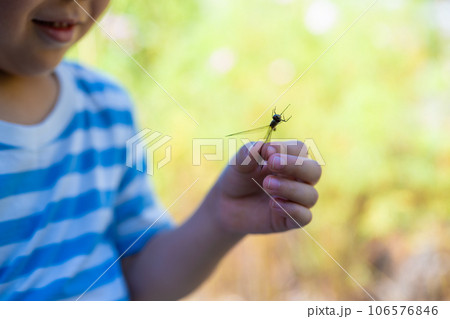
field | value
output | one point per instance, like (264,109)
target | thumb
(248,158)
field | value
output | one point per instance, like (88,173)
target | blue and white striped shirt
(69,206)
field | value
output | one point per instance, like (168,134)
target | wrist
(210,213)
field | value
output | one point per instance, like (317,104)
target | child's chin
(37,67)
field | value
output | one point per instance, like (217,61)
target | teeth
(60,24)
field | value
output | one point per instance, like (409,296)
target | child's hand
(241,206)
(177,261)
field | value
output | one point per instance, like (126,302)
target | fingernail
(276,163)
(273,183)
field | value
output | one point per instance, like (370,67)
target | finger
(294,191)
(304,169)
(296,215)
(294,147)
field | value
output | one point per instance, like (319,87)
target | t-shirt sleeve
(138,213)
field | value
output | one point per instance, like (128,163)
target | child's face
(35,34)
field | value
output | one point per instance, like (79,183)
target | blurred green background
(377,105)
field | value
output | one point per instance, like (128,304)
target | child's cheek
(93,9)
(98,7)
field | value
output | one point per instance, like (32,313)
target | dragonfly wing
(250,131)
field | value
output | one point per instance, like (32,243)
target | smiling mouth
(61,25)
(61,32)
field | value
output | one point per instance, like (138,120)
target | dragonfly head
(277,117)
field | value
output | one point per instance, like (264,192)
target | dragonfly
(276,119)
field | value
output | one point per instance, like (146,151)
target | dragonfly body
(276,119)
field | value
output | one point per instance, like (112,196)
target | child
(69,206)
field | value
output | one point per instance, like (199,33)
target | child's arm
(176,262)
